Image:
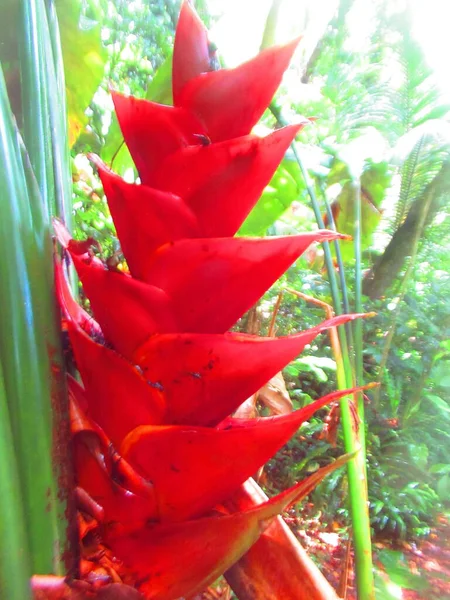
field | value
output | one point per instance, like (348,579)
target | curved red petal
(180,559)
(194,468)
(223,277)
(118,503)
(191,51)
(205,377)
(119,398)
(231,101)
(222,182)
(128,310)
(69,308)
(153,131)
(98,468)
(145,218)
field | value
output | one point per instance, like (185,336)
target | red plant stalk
(158,458)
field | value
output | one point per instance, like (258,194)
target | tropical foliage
(378,155)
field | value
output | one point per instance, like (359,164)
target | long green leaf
(15,567)
(35,96)
(29,349)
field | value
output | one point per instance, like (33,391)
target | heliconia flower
(69,306)
(108,379)
(200,301)
(158,457)
(219,184)
(193,299)
(145,218)
(153,131)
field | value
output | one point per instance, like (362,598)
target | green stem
(269,37)
(353,434)
(358,324)
(341,270)
(15,569)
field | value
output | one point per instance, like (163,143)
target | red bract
(154,444)
(99,469)
(108,379)
(195,468)
(249,266)
(169,559)
(153,131)
(206,377)
(192,53)
(222,182)
(229,101)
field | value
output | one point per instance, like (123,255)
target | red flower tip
(192,52)
(70,309)
(194,468)
(230,102)
(249,266)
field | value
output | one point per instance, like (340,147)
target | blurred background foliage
(383,128)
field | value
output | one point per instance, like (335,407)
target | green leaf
(375,180)
(84,62)
(84,59)
(443,488)
(160,88)
(312,364)
(275,200)
(398,571)
(29,341)
(115,152)
(15,568)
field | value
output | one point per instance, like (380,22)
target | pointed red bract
(119,504)
(180,559)
(222,182)
(194,468)
(145,218)
(206,377)
(231,101)
(98,469)
(153,131)
(128,310)
(109,381)
(213,282)
(191,51)
(69,307)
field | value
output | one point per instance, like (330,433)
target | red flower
(154,443)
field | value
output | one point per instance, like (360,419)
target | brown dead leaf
(275,397)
